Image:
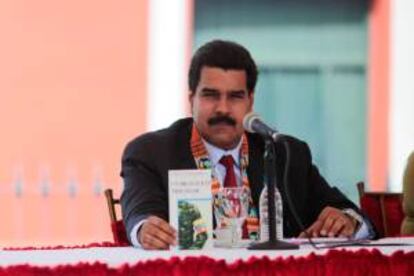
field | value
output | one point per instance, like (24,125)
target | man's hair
(225,55)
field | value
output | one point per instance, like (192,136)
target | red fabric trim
(119,233)
(335,262)
(370,204)
(95,244)
(395,216)
(371,207)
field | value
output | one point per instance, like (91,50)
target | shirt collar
(216,153)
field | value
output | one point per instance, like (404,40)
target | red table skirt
(335,262)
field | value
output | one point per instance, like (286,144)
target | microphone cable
(287,193)
(326,245)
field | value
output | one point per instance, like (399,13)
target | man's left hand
(332,222)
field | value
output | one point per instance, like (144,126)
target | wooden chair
(384,209)
(117,226)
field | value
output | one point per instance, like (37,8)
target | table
(377,260)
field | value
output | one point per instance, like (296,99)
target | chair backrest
(384,209)
(117,226)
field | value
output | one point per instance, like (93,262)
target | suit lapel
(184,156)
(255,168)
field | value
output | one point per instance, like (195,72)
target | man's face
(219,104)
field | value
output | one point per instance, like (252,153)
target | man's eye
(237,96)
(210,95)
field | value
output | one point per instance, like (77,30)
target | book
(190,208)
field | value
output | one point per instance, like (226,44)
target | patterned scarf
(202,160)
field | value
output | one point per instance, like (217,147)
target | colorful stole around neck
(202,161)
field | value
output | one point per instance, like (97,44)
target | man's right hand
(156,233)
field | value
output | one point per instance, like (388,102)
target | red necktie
(230,178)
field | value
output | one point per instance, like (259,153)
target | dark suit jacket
(147,159)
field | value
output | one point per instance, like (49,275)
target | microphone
(252,123)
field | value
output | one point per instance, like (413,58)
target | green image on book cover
(192,227)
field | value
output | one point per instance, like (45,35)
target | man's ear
(251,99)
(191,99)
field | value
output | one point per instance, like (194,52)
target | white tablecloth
(115,256)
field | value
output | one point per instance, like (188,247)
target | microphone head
(248,120)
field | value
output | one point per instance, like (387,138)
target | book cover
(190,208)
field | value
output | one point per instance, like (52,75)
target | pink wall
(72,93)
(378,94)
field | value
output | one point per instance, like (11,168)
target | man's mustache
(221,119)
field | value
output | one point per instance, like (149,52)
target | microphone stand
(270,180)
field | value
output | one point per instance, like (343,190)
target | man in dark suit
(222,79)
